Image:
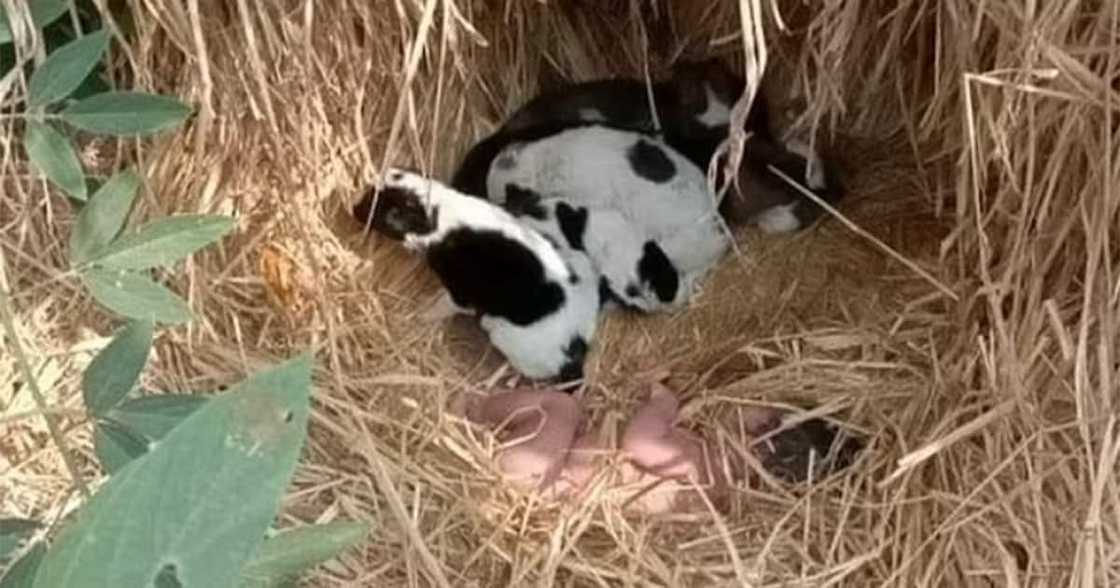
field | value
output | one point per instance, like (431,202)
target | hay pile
(969,325)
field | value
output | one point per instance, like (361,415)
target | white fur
(614,246)
(778,219)
(716,113)
(454,210)
(814,169)
(591,115)
(537,350)
(588,166)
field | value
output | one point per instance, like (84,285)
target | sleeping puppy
(661,195)
(693,109)
(537,302)
(634,270)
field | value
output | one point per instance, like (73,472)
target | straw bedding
(962,314)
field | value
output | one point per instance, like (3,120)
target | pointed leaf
(126,113)
(288,554)
(43,13)
(199,502)
(15,531)
(136,296)
(155,416)
(163,241)
(65,68)
(102,219)
(23,573)
(114,371)
(116,446)
(52,154)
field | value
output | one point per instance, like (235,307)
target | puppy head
(695,83)
(400,209)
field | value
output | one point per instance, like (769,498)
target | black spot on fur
(486,271)
(655,269)
(573,222)
(632,290)
(398,213)
(524,202)
(576,353)
(650,162)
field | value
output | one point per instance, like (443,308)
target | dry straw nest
(963,313)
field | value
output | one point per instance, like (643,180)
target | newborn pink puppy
(547,451)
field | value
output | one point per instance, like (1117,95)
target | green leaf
(288,554)
(155,416)
(199,502)
(102,219)
(135,296)
(114,371)
(66,68)
(163,241)
(22,574)
(53,155)
(43,12)
(126,113)
(116,446)
(15,531)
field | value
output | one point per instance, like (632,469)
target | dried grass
(978,140)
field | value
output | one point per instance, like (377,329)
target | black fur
(576,353)
(624,103)
(486,271)
(573,223)
(398,213)
(524,202)
(772,190)
(470,177)
(788,452)
(650,162)
(656,269)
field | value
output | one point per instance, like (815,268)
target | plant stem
(19,416)
(36,393)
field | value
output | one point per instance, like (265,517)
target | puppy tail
(471,176)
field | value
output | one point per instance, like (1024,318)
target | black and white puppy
(634,270)
(538,302)
(693,108)
(641,210)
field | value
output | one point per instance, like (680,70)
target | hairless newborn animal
(544,448)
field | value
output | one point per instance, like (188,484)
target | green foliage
(13,532)
(194,481)
(155,416)
(115,445)
(126,113)
(66,68)
(163,241)
(52,154)
(135,296)
(114,371)
(200,500)
(22,573)
(43,12)
(102,219)
(284,556)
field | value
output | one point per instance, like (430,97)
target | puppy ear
(688,87)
